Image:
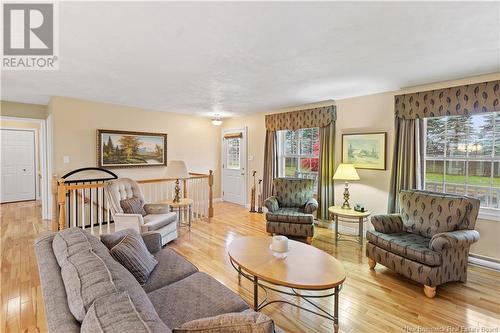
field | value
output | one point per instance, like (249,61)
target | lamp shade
(346,172)
(176,170)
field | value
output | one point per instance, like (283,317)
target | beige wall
(192,139)
(365,114)
(23,110)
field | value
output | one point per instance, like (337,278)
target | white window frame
(487,213)
(282,156)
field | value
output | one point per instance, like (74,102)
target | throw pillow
(110,240)
(133,254)
(116,313)
(241,322)
(134,205)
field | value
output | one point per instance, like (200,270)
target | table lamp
(177,170)
(346,172)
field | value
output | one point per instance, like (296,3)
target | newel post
(210,194)
(61,202)
(55,206)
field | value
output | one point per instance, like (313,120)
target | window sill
(489,214)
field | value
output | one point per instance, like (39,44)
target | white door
(17,165)
(234,167)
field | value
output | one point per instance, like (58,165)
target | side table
(183,205)
(350,216)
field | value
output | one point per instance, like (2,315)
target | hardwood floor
(370,301)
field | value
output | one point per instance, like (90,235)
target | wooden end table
(350,216)
(184,204)
(304,268)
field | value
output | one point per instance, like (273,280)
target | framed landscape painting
(125,149)
(364,150)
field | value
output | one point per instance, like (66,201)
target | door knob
(24,169)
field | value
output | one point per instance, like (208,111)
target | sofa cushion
(171,268)
(156,221)
(408,245)
(197,296)
(134,205)
(290,215)
(242,322)
(428,213)
(133,254)
(117,313)
(94,274)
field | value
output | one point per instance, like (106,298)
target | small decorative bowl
(279,255)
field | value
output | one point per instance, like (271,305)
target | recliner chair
(428,241)
(158,218)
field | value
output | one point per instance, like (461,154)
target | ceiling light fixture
(217,121)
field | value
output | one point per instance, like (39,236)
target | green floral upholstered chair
(428,241)
(290,209)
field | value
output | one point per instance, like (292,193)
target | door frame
(244,159)
(45,163)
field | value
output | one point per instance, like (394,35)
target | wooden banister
(63,202)
(210,194)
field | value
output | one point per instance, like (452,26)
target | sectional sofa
(95,291)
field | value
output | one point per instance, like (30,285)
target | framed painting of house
(125,149)
(365,150)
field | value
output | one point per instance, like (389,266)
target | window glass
(233,153)
(299,153)
(462,156)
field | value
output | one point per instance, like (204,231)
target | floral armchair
(290,209)
(428,241)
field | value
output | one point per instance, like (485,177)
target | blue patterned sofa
(290,209)
(428,241)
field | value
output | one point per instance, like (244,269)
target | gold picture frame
(130,149)
(365,150)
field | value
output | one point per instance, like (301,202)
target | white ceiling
(237,58)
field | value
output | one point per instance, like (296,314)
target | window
(298,153)
(462,156)
(233,153)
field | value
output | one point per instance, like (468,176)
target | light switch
(65,159)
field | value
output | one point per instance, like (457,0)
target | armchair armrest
(388,223)
(458,238)
(272,204)
(157,208)
(152,240)
(311,206)
(125,221)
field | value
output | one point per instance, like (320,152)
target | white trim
(244,159)
(482,261)
(217,200)
(45,151)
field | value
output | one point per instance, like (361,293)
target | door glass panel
(233,153)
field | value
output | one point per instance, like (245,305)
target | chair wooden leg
(372,263)
(429,291)
(309,240)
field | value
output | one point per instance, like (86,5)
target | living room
(265,145)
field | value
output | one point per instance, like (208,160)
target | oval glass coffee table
(304,268)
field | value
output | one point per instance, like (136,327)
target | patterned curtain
(455,101)
(411,109)
(322,117)
(270,163)
(326,168)
(407,166)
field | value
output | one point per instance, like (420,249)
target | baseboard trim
(217,200)
(483,261)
